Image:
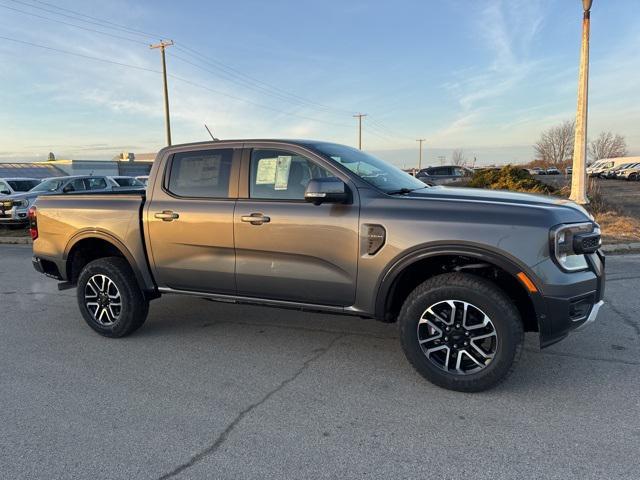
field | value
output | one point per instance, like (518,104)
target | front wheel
(461,332)
(110,299)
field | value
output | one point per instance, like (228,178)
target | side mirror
(326,190)
(5,192)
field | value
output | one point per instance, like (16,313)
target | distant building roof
(31,170)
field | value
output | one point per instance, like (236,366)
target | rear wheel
(461,332)
(633,177)
(110,299)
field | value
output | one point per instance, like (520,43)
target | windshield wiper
(402,191)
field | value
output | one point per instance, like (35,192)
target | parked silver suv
(14,207)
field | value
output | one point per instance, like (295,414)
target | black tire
(633,177)
(487,298)
(133,306)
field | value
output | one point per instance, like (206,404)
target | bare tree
(607,145)
(457,157)
(555,146)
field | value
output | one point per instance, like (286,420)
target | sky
(485,76)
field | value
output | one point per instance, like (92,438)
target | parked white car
(9,186)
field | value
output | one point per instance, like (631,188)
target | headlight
(570,242)
(21,203)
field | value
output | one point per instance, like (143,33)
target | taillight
(33,222)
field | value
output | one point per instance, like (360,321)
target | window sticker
(266,174)
(283,165)
(200,171)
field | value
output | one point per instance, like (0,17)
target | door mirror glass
(326,190)
(5,192)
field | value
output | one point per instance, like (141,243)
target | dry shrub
(509,178)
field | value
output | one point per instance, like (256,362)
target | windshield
(22,185)
(128,182)
(48,186)
(372,170)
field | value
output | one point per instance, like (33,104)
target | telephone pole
(359,117)
(420,140)
(162,45)
(579,177)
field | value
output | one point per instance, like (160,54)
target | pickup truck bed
(73,220)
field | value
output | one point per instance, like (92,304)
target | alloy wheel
(102,299)
(457,337)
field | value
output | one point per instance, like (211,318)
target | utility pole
(420,140)
(579,176)
(359,117)
(162,45)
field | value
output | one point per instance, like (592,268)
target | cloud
(507,30)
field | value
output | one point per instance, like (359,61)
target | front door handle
(167,216)
(255,219)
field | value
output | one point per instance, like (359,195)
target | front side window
(282,175)
(201,174)
(75,186)
(97,183)
(372,170)
(4,188)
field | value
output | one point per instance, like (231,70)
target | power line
(183,80)
(76,15)
(133,30)
(235,74)
(90,57)
(62,22)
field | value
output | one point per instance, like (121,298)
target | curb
(621,247)
(15,241)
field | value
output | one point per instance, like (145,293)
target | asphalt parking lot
(208,390)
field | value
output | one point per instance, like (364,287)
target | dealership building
(132,167)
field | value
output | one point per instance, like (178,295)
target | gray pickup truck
(322,227)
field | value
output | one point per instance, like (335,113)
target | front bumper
(592,315)
(14,215)
(573,306)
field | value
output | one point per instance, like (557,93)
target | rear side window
(202,174)
(22,185)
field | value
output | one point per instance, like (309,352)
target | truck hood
(500,196)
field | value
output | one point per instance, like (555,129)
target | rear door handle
(255,219)
(167,216)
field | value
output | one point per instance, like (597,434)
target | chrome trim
(592,315)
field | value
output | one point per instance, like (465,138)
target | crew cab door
(189,220)
(286,248)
